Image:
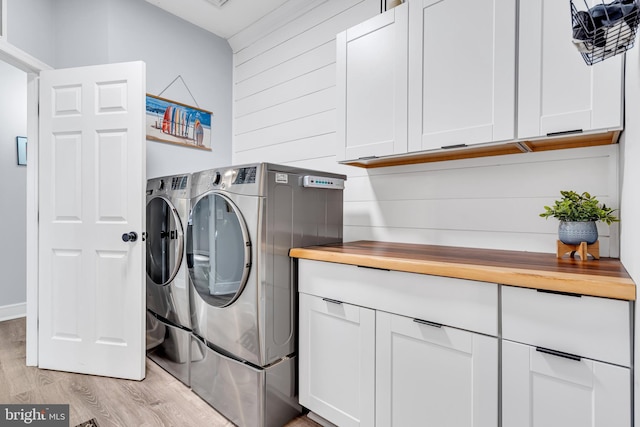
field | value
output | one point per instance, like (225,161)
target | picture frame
(21,143)
(177,123)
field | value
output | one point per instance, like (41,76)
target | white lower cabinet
(433,375)
(566,360)
(540,389)
(337,361)
(394,349)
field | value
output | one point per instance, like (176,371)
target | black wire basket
(604,30)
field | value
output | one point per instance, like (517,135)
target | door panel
(91,192)
(66,164)
(111,292)
(66,270)
(112,185)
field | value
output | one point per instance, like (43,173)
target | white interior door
(91,193)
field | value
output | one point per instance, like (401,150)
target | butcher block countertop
(605,277)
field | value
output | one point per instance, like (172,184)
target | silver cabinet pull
(558,353)
(567,294)
(564,132)
(426,322)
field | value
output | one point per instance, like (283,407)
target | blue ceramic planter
(575,232)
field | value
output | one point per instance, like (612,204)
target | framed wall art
(176,123)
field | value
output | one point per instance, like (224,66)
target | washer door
(219,252)
(165,241)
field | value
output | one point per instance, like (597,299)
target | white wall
(284,112)
(630,183)
(72,33)
(630,173)
(13,181)
(172,47)
(30,27)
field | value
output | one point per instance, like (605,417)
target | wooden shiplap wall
(285,112)
(284,82)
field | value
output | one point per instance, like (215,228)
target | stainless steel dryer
(168,314)
(243,222)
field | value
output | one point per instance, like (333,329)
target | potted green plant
(578,214)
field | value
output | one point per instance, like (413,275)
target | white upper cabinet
(372,87)
(433,74)
(461,72)
(557,91)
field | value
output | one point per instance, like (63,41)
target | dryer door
(219,253)
(165,241)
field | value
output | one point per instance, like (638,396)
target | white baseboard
(13,311)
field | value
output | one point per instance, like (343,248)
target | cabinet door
(372,87)
(557,91)
(461,72)
(337,361)
(544,390)
(434,375)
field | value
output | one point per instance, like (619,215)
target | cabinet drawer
(591,327)
(464,304)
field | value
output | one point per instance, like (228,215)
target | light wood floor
(158,400)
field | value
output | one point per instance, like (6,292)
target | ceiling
(224,21)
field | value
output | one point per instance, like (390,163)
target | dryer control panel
(179,182)
(322,182)
(245,176)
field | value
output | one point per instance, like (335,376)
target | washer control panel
(322,182)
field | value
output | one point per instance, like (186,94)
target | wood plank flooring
(158,400)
